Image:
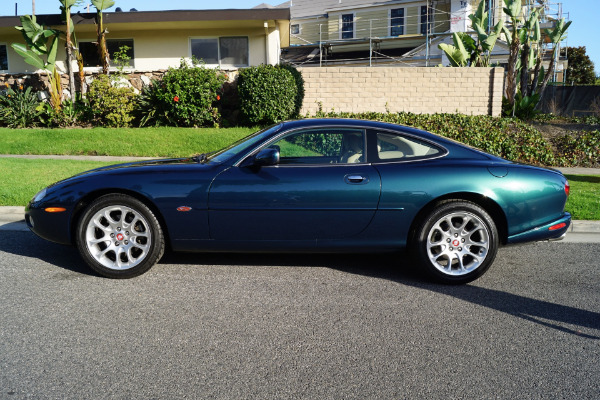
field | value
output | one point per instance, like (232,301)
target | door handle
(354,179)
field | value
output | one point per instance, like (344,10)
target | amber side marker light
(55,209)
(557,226)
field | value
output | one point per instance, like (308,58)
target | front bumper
(555,230)
(50,226)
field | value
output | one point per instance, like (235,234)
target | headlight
(41,194)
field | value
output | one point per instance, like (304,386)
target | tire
(455,243)
(118,236)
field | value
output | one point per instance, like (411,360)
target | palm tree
(32,7)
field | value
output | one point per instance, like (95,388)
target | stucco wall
(471,91)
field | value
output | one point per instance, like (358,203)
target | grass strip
(137,142)
(21,179)
(584,201)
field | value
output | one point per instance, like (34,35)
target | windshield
(241,145)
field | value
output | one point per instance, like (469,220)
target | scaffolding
(372,36)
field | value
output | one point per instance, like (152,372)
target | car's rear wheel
(119,236)
(455,243)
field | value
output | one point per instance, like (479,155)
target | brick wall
(471,91)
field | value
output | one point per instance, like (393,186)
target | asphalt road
(300,327)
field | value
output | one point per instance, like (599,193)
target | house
(394,32)
(157,40)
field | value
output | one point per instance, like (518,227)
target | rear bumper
(555,230)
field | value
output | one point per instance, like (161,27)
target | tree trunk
(511,71)
(69,48)
(525,69)
(549,72)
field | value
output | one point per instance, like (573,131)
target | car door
(322,188)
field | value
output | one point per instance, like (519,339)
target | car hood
(146,165)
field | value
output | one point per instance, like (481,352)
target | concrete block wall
(471,91)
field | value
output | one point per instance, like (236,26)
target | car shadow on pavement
(397,268)
(26,244)
(392,267)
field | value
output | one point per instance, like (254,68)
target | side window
(89,52)
(321,146)
(3,58)
(391,147)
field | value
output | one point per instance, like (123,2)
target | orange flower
(176,99)
(218,97)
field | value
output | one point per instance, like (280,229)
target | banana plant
(531,52)
(556,36)
(70,45)
(513,10)
(39,50)
(459,54)
(102,5)
(469,52)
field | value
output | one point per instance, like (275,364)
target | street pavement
(249,326)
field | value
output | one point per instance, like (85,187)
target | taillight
(557,226)
(567,188)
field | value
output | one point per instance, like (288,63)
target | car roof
(361,123)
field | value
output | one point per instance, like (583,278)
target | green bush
(19,107)
(299,85)
(579,148)
(267,94)
(109,105)
(186,96)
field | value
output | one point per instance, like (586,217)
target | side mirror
(266,157)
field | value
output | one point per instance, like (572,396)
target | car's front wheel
(119,236)
(455,243)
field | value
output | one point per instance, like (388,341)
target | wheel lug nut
(126,242)
(119,229)
(460,249)
(127,233)
(448,240)
(112,235)
(456,235)
(451,248)
(116,243)
(463,240)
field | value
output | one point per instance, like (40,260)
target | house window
(397,22)
(230,51)
(89,51)
(424,16)
(3,58)
(295,29)
(347,26)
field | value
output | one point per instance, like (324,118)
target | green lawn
(139,142)
(21,179)
(584,201)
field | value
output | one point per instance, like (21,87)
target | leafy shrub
(299,85)
(267,94)
(19,107)
(72,113)
(185,96)
(109,105)
(581,149)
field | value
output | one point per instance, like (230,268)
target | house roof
(174,16)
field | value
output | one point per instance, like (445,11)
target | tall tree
(581,69)
(102,5)
(69,47)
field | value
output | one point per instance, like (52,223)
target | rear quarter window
(393,147)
